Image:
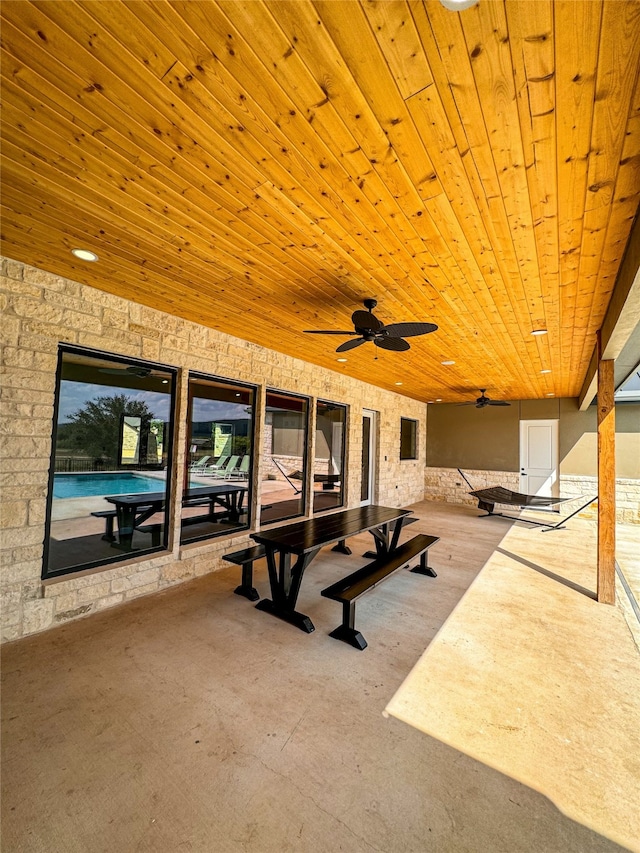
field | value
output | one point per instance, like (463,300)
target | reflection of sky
(75,395)
(217,410)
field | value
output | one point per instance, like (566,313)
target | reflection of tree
(94,429)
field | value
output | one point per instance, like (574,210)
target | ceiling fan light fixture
(458,5)
(539,332)
(84,254)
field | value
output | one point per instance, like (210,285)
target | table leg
(126,517)
(285,581)
(342,547)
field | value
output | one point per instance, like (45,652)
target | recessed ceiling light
(165,381)
(341,359)
(430,401)
(398,383)
(438,399)
(84,254)
(551,394)
(458,5)
(238,394)
(447,362)
(539,332)
(545,371)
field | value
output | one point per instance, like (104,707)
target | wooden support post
(606,481)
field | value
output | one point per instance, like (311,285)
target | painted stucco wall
(488,439)
(40,310)
(484,443)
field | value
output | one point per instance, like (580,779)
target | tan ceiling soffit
(622,317)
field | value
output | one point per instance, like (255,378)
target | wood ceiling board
(348,209)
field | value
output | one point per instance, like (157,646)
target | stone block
(37,615)
(10,329)
(64,602)
(138,591)
(10,632)
(21,536)
(143,578)
(75,613)
(94,591)
(13,269)
(13,514)
(108,601)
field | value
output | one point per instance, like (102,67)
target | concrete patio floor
(189,720)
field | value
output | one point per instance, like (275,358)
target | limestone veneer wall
(40,310)
(446,484)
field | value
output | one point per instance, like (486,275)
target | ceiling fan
(132,370)
(483,401)
(369,328)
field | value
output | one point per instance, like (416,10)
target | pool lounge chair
(242,471)
(218,465)
(200,465)
(227,471)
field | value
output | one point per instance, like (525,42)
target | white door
(539,458)
(368,457)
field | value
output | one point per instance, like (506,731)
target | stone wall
(40,310)
(446,484)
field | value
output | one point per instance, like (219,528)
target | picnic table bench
(350,588)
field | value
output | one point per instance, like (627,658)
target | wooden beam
(606,481)
(621,318)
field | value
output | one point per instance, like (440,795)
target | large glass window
(108,484)
(328,469)
(217,494)
(285,452)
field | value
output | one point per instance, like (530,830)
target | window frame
(207,377)
(343,455)
(305,457)
(63,349)
(413,439)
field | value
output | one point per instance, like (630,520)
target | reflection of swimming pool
(88,485)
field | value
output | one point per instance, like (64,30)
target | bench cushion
(356,584)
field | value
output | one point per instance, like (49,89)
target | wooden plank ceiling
(262,167)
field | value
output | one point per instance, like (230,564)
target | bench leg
(347,631)
(342,548)
(424,568)
(108,529)
(246,588)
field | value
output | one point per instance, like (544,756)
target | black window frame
(343,455)
(412,438)
(207,377)
(116,358)
(305,457)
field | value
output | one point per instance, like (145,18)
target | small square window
(408,435)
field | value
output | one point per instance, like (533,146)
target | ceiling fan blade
(409,330)
(347,345)
(395,344)
(497,403)
(468,403)
(140,372)
(365,320)
(327,332)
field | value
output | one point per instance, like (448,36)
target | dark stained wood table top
(310,534)
(149,498)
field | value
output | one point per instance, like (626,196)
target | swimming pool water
(91,485)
